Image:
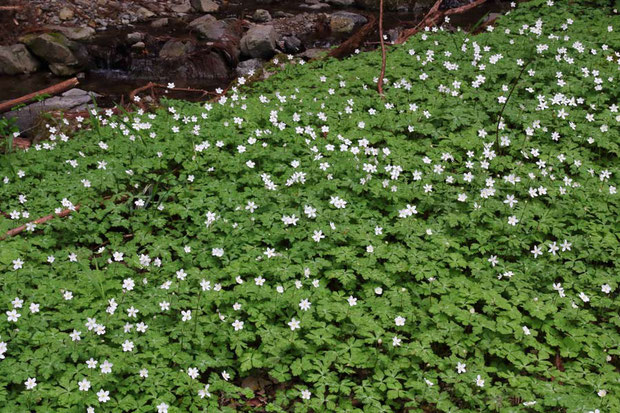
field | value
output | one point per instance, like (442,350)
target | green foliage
(431,289)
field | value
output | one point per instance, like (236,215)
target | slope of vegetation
(304,245)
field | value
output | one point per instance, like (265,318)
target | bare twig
(383,56)
(347,47)
(41,220)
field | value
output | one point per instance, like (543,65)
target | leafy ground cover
(451,248)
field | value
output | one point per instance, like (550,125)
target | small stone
(135,37)
(249,66)
(138,46)
(174,49)
(261,16)
(65,13)
(291,44)
(205,6)
(160,23)
(143,13)
(182,8)
(341,3)
(207,18)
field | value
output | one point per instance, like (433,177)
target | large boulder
(259,41)
(345,22)
(16,59)
(205,6)
(211,30)
(52,48)
(79,34)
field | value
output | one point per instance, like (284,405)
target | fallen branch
(434,16)
(383,57)
(52,90)
(347,47)
(41,220)
(151,86)
(10,8)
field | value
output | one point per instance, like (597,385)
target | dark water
(113,84)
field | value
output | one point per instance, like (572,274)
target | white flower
(352,301)
(192,372)
(204,392)
(396,341)
(84,385)
(162,408)
(606,288)
(103,395)
(460,367)
(305,394)
(128,346)
(400,321)
(584,297)
(187,315)
(238,325)
(479,381)
(293,324)
(13,315)
(305,304)
(31,383)
(526,331)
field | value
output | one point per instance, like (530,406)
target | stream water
(113,77)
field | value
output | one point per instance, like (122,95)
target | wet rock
(345,22)
(52,48)
(29,115)
(143,13)
(60,69)
(16,59)
(135,37)
(259,41)
(160,23)
(261,16)
(65,13)
(249,67)
(205,6)
(314,53)
(291,44)
(279,14)
(183,8)
(341,3)
(174,49)
(316,6)
(207,18)
(79,34)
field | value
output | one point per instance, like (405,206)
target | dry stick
(433,16)
(152,86)
(353,42)
(41,220)
(383,57)
(9,8)
(501,113)
(52,90)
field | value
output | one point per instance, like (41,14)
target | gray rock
(183,8)
(175,48)
(60,69)
(160,23)
(261,16)
(138,46)
(17,59)
(52,48)
(143,13)
(135,37)
(29,115)
(341,3)
(279,13)
(291,44)
(201,20)
(249,66)
(318,6)
(259,41)
(65,13)
(205,6)
(211,30)
(79,34)
(314,53)
(345,22)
